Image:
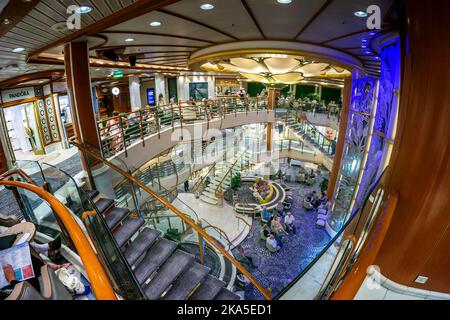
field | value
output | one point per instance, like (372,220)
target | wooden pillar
(341,139)
(76,57)
(3,160)
(271,105)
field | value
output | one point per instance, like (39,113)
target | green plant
(313,96)
(236,182)
(324,185)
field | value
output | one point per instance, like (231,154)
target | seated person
(265,214)
(277,227)
(289,221)
(264,232)
(272,244)
(280,208)
(323,198)
(307,203)
(315,202)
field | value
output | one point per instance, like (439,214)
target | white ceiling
(186,28)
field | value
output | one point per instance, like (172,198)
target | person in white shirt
(272,244)
(289,221)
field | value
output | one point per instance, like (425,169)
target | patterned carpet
(277,270)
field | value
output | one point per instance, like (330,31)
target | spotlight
(361,14)
(132,61)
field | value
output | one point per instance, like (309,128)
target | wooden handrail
(184,217)
(97,277)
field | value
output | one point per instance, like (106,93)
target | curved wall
(418,240)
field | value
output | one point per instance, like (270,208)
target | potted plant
(324,185)
(236,182)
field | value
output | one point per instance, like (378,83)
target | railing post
(142,128)
(123,136)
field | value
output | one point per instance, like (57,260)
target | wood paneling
(418,242)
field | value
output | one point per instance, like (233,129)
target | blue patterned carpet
(277,270)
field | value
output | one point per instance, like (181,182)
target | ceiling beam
(131,11)
(15,11)
(197,22)
(251,14)
(157,34)
(313,18)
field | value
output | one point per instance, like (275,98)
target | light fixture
(84,9)
(115,91)
(207,6)
(155,24)
(372,34)
(363,46)
(6,21)
(364,40)
(361,14)
(368,52)
(17,50)
(284,1)
(129,39)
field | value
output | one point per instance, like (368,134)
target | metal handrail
(98,279)
(185,218)
(231,168)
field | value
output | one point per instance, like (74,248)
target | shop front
(31,122)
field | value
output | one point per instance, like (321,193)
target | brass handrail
(185,218)
(201,181)
(97,277)
(231,168)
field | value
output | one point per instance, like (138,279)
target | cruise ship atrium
(229,150)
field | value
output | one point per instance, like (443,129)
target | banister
(231,168)
(185,218)
(201,181)
(97,277)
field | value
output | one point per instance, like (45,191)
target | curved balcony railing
(119,132)
(97,163)
(98,278)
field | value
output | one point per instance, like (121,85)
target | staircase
(227,170)
(163,270)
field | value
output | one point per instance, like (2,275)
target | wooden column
(80,94)
(341,139)
(3,160)
(418,240)
(271,105)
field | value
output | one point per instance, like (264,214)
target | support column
(271,105)
(160,88)
(341,140)
(135,93)
(76,59)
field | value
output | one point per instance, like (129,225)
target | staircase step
(187,282)
(104,204)
(168,273)
(155,257)
(226,294)
(115,216)
(140,245)
(127,230)
(209,288)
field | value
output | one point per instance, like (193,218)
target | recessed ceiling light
(17,50)
(361,14)
(207,6)
(129,39)
(284,1)
(155,24)
(84,9)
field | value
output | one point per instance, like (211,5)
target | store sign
(17,94)
(151,97)
(118,74)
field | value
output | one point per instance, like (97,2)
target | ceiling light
(206,6)
(284,1)
(361,14)
(17,50)
(6,21)
(129,39)
(155,24)
(84,9)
